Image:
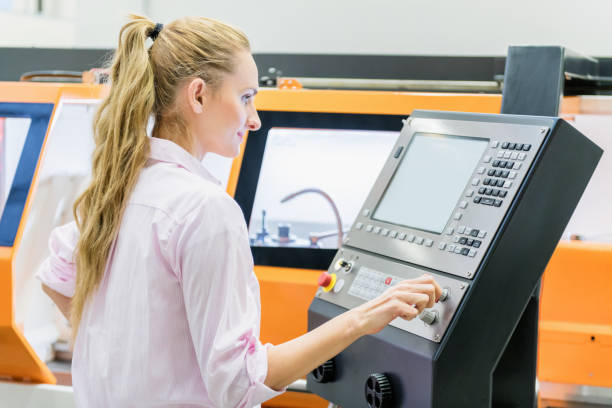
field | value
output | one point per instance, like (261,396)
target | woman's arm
(62,302)
(294,359)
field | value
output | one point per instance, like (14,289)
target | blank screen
(432,175)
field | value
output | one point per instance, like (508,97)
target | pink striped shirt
(175,320)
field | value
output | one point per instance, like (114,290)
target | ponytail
(122,148)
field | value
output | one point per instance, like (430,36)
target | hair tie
(154,32)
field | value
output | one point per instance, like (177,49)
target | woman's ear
(196,95)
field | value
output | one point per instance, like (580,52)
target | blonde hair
(143,83)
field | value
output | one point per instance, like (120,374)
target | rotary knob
(429,316)
(325,372)
(378,391)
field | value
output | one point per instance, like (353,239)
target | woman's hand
(406,300)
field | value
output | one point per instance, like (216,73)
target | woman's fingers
(427,279)
(424,288)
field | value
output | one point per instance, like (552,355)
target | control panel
(356,277)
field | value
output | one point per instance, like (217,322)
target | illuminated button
(475,181)
(468,230)
(428,242)
(463,204)
(472,253)
(410,238)
(359,225)
(494,144)
(369,228)
(482,234)
(442,246)
(393,234)
(521,156)
(450,231)
(377,230)
(500,154)
(461,229)
(365,212)
(507,155)
(384,232)
(487,159)
(508,184)
(457,216)
(451,248)
(402,236)
(469,193)
(517,166)
(419,240)
(481,170)
(514,155)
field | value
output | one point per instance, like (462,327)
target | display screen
(312,183)
(430,179)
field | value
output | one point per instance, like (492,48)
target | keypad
(370,283)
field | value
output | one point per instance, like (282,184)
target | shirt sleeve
(58,271)
(221,294)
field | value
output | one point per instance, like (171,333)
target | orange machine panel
(575,344)
(18,361)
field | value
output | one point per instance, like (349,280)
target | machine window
(431,177)
(303,172)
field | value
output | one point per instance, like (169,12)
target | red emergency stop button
(327,281)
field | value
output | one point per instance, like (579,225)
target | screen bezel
(304,258)
(399,165)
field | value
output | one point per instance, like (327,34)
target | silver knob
(429,316)
(445,294)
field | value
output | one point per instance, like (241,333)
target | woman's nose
(253,122)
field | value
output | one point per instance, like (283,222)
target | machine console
(436,207)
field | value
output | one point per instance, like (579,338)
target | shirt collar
(166,151)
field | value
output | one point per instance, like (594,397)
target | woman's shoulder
(180,193)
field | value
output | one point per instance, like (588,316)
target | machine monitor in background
(429,180)
(303,178)
(301,202)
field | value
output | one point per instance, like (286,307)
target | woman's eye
(246,98)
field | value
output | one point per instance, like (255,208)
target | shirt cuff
(257,369)
(58,282)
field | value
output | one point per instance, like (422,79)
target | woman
(165,305)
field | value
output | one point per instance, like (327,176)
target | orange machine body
(575,338)
(17,359)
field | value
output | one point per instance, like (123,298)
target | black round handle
(378,391)
(325,372)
